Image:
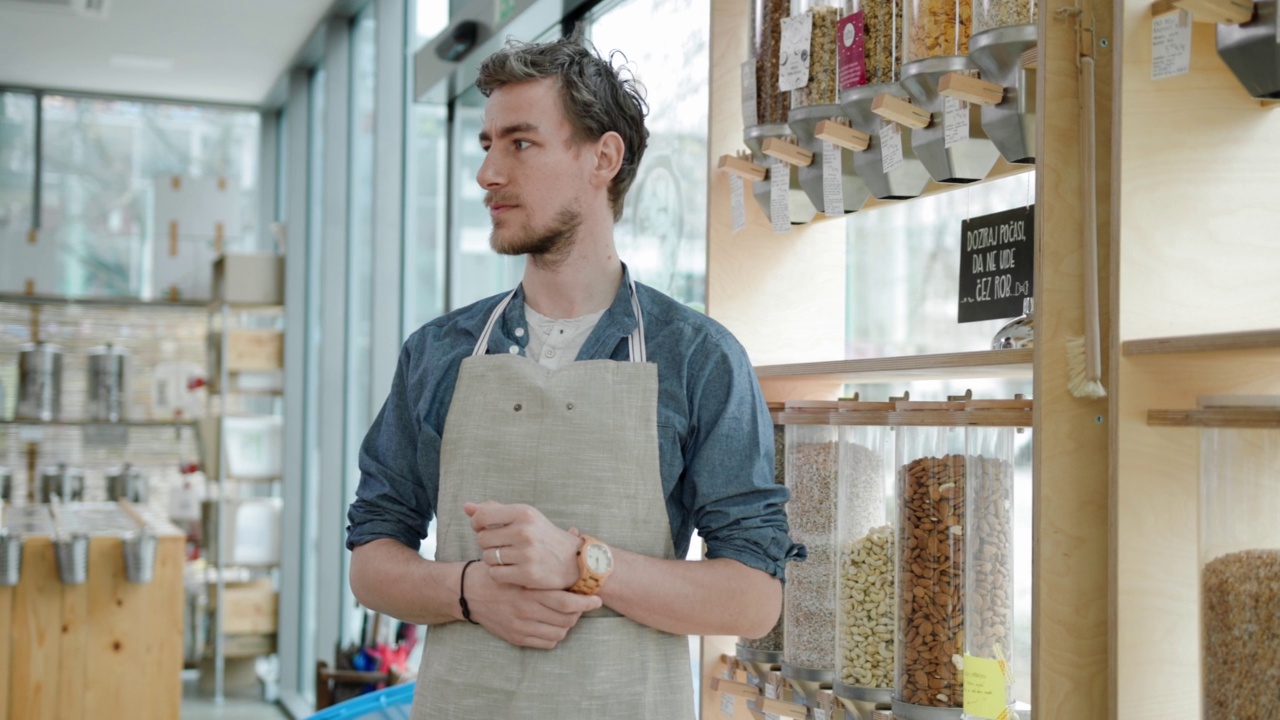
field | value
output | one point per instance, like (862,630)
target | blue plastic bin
(388,704)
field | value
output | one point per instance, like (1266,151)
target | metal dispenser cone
(804,122)
(1011,123)
(910,177)
(969,157)
(802,208)
(1252,49)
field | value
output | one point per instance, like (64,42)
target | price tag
(793,53)
(750,115)
(726,700)
(819,714)
(779,200)
(771,691)
(955,121)
(737,203)
(832,180)
(890,146)
(1170,45)
(986,685)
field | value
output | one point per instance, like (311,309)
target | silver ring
(497,553)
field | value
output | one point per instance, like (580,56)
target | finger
(565,602)
(495,514)
(574,532)
(470,508)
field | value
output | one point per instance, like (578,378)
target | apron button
(569,406)
(518,406)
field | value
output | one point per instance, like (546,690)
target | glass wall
(17,164)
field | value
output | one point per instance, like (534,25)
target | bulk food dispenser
(1004,38)
(889,166)
(763,655)
(866,539)
(820,127)
(952,144)
(809,618)
(953,646)
(1239,552)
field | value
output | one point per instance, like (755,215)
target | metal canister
(108,383)
(72,553)
(140,556)
(6,485)
(10,558)
(63,482)
(39,382)
(127,483)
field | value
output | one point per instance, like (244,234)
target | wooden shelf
(948,366)
(102,423)
(1251,340)
(20,299)
(1003,168)
(1241,417)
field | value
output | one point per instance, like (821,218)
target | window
(100,159)
(17,165)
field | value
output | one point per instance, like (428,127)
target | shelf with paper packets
(839,115)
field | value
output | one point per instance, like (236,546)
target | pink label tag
(852,52)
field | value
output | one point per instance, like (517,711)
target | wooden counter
(105,649)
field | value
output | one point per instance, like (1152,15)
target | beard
(545,243)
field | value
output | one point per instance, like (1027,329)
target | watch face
(598,558)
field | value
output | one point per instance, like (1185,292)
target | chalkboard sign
(997,255)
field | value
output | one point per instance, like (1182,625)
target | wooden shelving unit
(815,379)
(125,302)
(1219,342)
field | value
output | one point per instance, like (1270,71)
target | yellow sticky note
(985,689)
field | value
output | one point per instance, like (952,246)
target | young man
(566,492)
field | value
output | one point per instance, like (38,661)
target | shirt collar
(618,321)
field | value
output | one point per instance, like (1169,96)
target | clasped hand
(529,562)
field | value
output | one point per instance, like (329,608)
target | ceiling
(226,51)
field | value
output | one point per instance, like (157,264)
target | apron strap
(635,341)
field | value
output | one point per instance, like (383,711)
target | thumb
(470,508)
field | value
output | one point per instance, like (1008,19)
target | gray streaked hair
(596,96)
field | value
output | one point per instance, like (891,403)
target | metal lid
(43,347)
(108,349)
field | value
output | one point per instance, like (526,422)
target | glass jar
(812,476)
(823,78)
(1240,571)
(988,603)
(881,34)
(991,14)
(931,483)
(864,649)
(936,28)
(763,649)
(772,104)
(1019,332)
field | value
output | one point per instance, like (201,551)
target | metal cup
(10,558)
(72,552)
(140,556)
(127,483)
(6,485)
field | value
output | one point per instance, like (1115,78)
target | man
(566,492)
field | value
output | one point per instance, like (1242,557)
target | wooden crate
(255,350)
(251,608)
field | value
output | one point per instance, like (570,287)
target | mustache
(492,198)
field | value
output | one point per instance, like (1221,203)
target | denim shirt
(714,432)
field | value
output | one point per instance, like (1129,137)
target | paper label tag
(890,146)
(779,200)
(851,53)
(793,54)
(737,203)
(771,716)
(832,179)
(1170,45)
(819,714)
(771,691)
(726,700)
(750,115)
(955,121)
(985,688)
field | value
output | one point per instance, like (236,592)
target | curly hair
(596,96)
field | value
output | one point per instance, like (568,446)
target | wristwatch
(595,562)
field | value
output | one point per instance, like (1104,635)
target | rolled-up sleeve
(737,507)
(398,464)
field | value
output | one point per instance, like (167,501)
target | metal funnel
(1252,50)
(907,711)
(802,209)
(10,558)
(1011,124)
(907,180)
(762,662)
(804,123)
(806,682)
(862,702)
(970,158)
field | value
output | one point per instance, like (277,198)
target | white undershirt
(555,343)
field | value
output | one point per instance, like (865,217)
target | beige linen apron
(580,444)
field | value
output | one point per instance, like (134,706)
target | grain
(810,613)
(989,14)
(1240,597)
(866,610)
(772,105)
(937,28)
(822,86)
(931,559)
(882,25)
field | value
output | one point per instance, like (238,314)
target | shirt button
(551,352)
(514,349)
(519,332)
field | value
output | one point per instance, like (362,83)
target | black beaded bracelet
(462,594)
